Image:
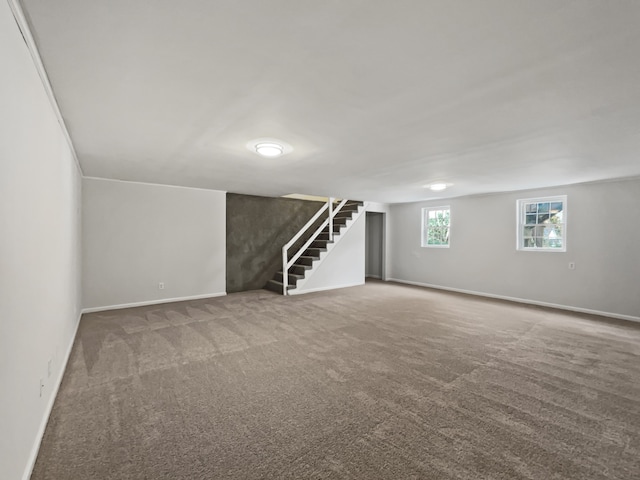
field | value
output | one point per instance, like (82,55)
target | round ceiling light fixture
(269,149)
(438,187)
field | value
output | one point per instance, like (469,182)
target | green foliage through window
(436,227)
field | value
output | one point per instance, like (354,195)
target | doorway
(374,245)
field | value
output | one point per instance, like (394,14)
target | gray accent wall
(603,232)
(257,228)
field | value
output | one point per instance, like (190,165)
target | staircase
(309,246)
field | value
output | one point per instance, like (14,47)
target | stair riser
(319,243)
(298,270)
(314,252)
(305,261)
(336,229)
(343,213)
(276,287)
(293,280)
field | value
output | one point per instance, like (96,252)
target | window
(436,223)
(542,224)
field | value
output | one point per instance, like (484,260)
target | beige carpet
(375,382)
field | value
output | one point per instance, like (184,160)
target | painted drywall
(343,265)
(39,252)
(374,245)
(137,235)
(257,228)
(603,227)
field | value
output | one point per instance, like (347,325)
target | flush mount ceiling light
(437,187)
(268,149)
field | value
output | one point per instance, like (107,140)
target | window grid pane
(436,223)
(542,224)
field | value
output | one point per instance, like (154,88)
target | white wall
(39,252)
(137,235)
(343,265)
(603,228)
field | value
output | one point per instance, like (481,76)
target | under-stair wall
(257,227)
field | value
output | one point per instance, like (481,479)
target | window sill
(545,250)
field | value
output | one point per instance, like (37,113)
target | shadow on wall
(257,228)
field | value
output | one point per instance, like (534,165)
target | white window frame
(520,223)
(425,234)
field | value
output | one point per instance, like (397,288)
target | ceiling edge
(29,40)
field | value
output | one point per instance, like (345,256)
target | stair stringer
(305,285)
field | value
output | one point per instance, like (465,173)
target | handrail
(286,263)
(316,233)
(339,207)
(306,245)
(330,219)
(304,229)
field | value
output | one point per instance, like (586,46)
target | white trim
(52,399)
(152,302)
(618,316)
(322,289)
(23,26)
(153,184)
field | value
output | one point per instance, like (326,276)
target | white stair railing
(286,262)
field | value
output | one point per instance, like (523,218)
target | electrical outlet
(161,286)
(41,387)
(572,265)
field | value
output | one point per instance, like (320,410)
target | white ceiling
(376,97)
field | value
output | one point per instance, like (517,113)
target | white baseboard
(152,302)
(521,300)
(52,399)
(322,289)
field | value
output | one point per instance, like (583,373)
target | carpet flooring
(382,381)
